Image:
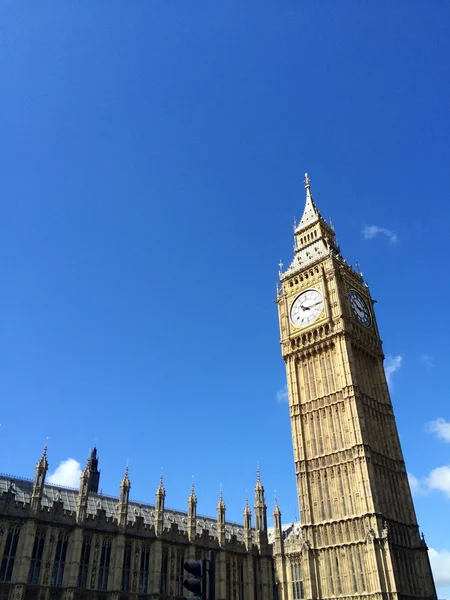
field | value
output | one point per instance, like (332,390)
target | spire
(160,490)
(221,502)
(247,510)
(310,213)
(278,538)
(259,488)
(221,519)
(192,496)
(260,508)
(314,238)
(192,513)
(126,479)
(124,499)
(92,472)
(159,506)
(276,508)
(43,463)
(39,479)
(247,524)
(89,481)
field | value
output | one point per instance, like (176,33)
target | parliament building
(358,536)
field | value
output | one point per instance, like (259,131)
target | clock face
(306,308)
(359,308)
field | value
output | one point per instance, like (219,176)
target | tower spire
(124,499)
(192,513)
(314,238)
(221,519)
(39,479)
(247,524)
(310,213)
(159,506)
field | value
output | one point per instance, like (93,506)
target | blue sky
(152,163)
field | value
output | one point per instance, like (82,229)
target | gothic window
(144,569)
(241,579)
(306,380)
(330,572)
(312,378)
(179,572)
(126,568)
(297,581)
(361,570)
(84,562)
(9,554)
(60,559)
(164,566)
(36,556)
(103,570)
(352,561)
(331,373)
(338,577)
(326,387)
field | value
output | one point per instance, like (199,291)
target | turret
(94,473)
(260,513)
(247,526)
(278,544)
(159,507)
(122,512)
(221,519)
(83,494)
(39,480)
(192,513)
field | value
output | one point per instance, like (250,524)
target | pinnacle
(310,213)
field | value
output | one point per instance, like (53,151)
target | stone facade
(66,544)
(358,535)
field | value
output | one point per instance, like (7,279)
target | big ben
(359,534)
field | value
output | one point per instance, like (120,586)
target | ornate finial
(275,498)
(45,447)
(192,486)
(307,181)
(295,223)
(221,493)
(258,473)
(280,264)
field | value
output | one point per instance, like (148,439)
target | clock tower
(359,534)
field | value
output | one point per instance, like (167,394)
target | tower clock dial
(359,308)
(306,308)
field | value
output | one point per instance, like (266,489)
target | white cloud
(440,564)
(282,395)
(439,479)
(427,360)
(371,231)
(391,365)
(66,473)
(441,428)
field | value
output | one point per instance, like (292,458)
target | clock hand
(311,305)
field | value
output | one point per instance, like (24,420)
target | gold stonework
(358,535)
